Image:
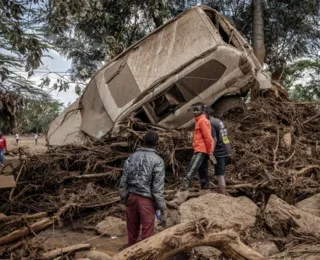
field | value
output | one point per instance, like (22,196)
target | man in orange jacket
(203,146)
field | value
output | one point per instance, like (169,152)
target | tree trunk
(186,236)
(61,251)
(18,234)
(258,31)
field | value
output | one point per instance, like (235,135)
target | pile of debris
(276,151)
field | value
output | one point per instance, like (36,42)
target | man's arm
(205,128)
(123,189)
(158,185)
(214,134)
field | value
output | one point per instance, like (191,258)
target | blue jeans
(2,156)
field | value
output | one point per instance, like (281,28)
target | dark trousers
(140,212)
(1,156)
(199,163)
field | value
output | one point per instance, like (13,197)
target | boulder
(310,205)
(281,218)
(224,211)
(97,255)
(112,226)
(265,248)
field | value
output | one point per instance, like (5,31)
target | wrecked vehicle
(197,56)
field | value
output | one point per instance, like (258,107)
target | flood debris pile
(275,164)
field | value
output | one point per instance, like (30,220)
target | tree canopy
(90,33)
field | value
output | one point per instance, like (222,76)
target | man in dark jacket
(142,189)
(222,150)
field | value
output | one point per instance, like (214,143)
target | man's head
(198,109)
(151,139)
(209,112)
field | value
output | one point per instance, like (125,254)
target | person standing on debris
(36,139)
(203,145)
(142,189)
(3,148)
(222,151)
(17,138)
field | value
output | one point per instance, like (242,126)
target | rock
(206,252)
(223,211)
(97,255)
(282,218)
(310,205)
(112,226)
(286,140)
(265,248)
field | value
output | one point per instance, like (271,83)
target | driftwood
(186,236)
(18,177)
(299,252)
(65,250)
(33,228)
(90,176)
(15,219)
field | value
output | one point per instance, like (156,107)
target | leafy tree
(21,45)
(105,28)
(37,115)
(302,79)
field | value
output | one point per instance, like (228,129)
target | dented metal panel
(65,129)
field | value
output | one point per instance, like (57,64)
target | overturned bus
(197,56)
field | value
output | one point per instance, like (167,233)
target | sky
(54,63)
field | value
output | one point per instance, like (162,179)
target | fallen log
(90,176)
(186,236)
(33,228)
(15,219)
(65,250)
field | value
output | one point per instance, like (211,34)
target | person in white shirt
(17,138)
(36,139)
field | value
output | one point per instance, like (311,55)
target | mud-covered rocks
(112,226)
(282,218)
(97,255)
(206,253)
(310,205)
(223,211)
(265,248)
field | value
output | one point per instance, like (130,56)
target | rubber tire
(226,105)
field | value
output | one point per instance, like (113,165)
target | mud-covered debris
(112,226)
(97,255)
(284,219)
(223,211)
(265,248)
(310,205)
